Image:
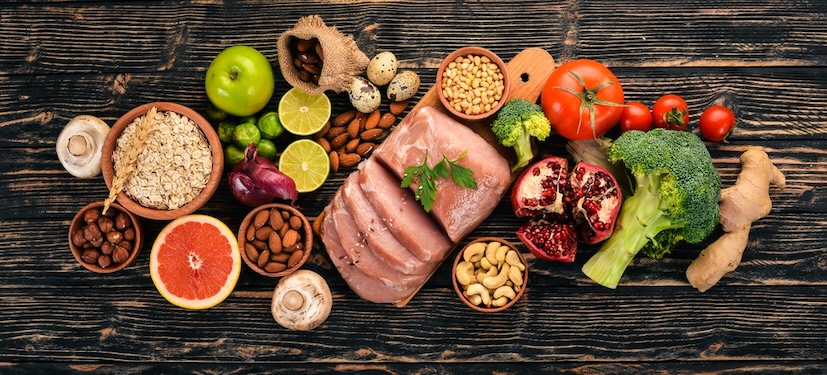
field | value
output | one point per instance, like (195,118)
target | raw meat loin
(458,210)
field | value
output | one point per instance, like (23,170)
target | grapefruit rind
(232,278)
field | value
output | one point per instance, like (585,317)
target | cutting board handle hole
(524,77)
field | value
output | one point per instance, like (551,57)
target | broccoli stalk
(675,199)
(517,122)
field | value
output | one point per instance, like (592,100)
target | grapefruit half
(195,262)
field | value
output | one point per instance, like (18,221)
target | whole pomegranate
(564,209)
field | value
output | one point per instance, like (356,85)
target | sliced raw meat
(402,214)
(459,210)
(365,287)
(361,254)
(379,238)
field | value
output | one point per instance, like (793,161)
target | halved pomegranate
(540,188)
(550,240)
(583,206)
(595,200)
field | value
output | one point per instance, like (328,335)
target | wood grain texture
(656,324)
(766,60)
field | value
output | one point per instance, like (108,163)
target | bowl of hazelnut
(105,242)
(275,239)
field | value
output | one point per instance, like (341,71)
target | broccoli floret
(518,121)
(675,199)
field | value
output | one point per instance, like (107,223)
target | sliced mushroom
(79,145)
(302,301)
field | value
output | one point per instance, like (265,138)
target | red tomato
(635,116)
(716,123)
(670,112)
(582,99)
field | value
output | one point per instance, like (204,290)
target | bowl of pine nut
(472,83)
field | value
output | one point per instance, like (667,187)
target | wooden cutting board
(528,72)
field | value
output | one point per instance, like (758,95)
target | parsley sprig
(426,178)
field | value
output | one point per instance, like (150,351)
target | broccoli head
(676,192)
(517,121)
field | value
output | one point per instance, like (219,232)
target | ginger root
(741,205)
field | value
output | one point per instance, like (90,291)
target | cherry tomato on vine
(717,123)
(582,99)
(635,116)
(671,112)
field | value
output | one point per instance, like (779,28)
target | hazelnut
(129,234)
(90,256)
(121,221)
(90,216)
(105,224)
(120,255)
(91,232)
(78,238)
(106,248)
(104,261)
(125,244)
(114,236)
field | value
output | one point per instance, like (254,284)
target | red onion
(256,181)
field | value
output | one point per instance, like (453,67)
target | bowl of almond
(163,160)
(275,239)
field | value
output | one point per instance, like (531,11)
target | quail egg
(364,96)
(382,68)
(403,86)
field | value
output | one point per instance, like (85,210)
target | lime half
(302,113)
(307,163)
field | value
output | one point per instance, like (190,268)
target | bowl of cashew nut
(490,274)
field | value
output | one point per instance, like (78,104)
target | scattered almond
(364,148)
(372,134)
(387,120)
(321,133)
(344,118)
(334,161)
(349,160)
(353,128)
(351,145)
(334,132)
(399,107)
(373,120)
(339,141)
(324,143)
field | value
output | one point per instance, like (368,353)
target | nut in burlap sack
(315,58)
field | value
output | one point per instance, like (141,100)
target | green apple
(240,81)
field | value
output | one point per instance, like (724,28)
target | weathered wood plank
(176,36)
(90,324)
(460,368)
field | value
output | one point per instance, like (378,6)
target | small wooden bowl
(107,166)
(458,287)
(305,230)
(476,51)
(78,222)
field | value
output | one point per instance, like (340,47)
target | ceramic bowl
(460,290)
(475,51)
(250,254)
(78,223)
(215,148)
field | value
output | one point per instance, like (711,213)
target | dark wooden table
(766,60)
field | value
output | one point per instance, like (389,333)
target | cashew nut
(500,302)
(514,260)
(505,291)
(500,254)
(480,290)
(516,276)
(485,264)
(475,299)
(474,252)
(465,273)
(491,252)
(499,280)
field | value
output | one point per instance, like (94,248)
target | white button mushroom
(302,301)
(79,145)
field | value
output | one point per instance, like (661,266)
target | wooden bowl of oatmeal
(175,172)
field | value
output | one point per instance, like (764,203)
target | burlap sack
(342,58)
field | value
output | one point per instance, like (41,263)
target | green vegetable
(246,133)
(270,125)
(516,123)
(266,149)
(426,178)
(233,155)
(215,115)
(675,199)
(225,131)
